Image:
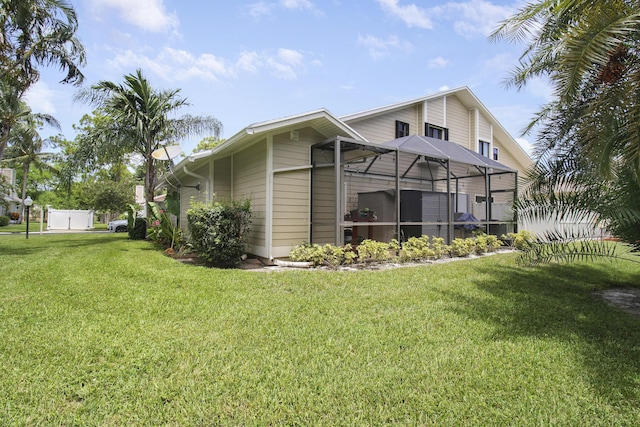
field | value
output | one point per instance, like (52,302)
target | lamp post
(27,204)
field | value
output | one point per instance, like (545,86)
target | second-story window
(483,148)
(437,132)
(496,154)
(402,129)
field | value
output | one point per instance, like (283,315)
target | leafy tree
(140,119)
(34,33)
(208,143)
(588,146)
(26,147)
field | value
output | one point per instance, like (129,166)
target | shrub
(330,255)
(14,216)
(162,229)
(439,247)
(522,240)
(307,252)
(371,250)
(4,221)
(139,229)
(416,248)
(461,247)
(219,231)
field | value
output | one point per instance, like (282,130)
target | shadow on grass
(557,302)
(20,246)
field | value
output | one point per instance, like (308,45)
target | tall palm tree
(34,33)
(142,119)
(588,146)
(26,148)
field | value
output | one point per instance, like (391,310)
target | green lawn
(99,330)
(34,227)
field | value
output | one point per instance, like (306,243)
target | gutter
(206,182)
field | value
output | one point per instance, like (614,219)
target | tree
(208,143)
(34,33)
(26,148)
(140,120)
(588,146)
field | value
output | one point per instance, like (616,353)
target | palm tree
(588,146)
(34,33)
(26,148)
(141,119)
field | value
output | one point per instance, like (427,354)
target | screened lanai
(407,187)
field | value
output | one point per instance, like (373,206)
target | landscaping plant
(219,231)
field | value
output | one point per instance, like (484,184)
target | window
(402,129)
(483,148)
(482,199)
(495,154)
(437,132)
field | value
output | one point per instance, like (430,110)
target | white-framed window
(496,154)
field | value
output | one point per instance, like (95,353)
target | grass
(99,330)
(34,227)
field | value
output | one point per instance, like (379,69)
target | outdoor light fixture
(27,204)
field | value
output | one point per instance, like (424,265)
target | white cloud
(149,15)
(438,62)
(173,64)
(262,8)
(443,88)
(473,18)
(500,63)
(41,99)
(411,15)
(540,88)
(379,47)
(526,145)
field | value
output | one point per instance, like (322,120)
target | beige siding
(222,178)
(249,181)
(291,198)
(485,129)
(435,112)
(189,194)
(458,121)
(324,205)
(382,128)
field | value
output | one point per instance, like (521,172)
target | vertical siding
(249,181)
(458,121)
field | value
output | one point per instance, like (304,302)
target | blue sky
(249,61)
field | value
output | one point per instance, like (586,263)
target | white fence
(59,219)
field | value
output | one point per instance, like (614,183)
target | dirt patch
(626,299)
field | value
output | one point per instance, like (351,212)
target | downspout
(206,182)
(338,187)
(268,229)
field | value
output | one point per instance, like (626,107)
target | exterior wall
(188,194)
(458,121)
(486,133)
(249,181)
(291,190)
(382,128)
(222,178)
(435,112)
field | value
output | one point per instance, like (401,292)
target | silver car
(117,226)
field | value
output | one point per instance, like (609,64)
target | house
(10,201)
(424,166)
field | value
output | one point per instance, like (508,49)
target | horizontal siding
(458,121)
(324,205)
(291,208)
(435,112)
(222,178)
(485,129)
(382,128)
(249,181)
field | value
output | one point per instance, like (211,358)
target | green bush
(522,240)
(4,221)
(461,247)
(139,229)
(219,232)
(330,255)
(416,248)
(371,250)
(439,247)
(162,230)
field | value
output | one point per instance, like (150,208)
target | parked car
(117,226)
